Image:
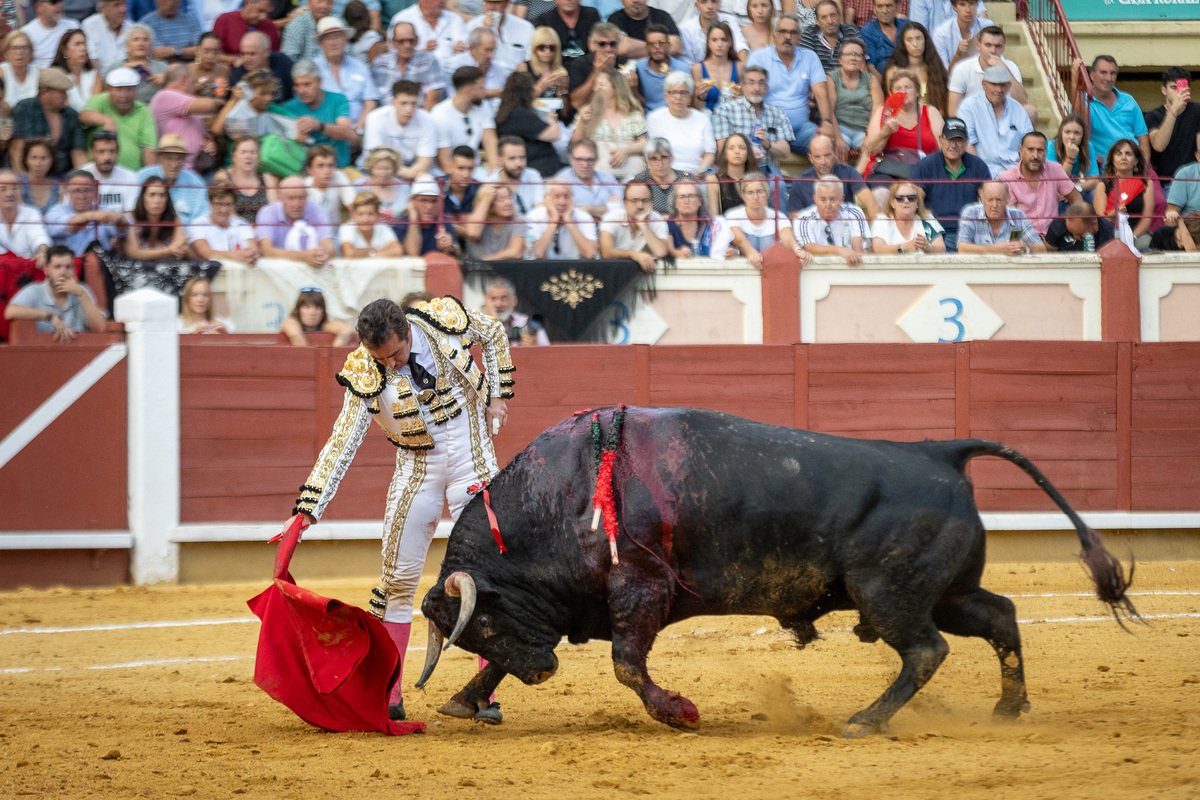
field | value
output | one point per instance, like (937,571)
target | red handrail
(1052,39)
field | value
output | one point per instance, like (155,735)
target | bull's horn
(433,652)
(460,584)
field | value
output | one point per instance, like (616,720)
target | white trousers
(462,456)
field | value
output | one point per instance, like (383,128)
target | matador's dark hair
(379,320)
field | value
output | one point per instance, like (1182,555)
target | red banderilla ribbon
(487,505)
(603,502)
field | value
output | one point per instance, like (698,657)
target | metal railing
(1051,38)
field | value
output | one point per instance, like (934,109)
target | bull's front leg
(638,604)
(473,697)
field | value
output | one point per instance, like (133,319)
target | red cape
(331,663)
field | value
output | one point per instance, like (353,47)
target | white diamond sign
(950,312)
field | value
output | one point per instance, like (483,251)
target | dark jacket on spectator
(946,200)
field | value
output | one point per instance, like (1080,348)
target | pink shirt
(1040,204)
(169,108)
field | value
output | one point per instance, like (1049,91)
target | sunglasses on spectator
(316,289)
(906,198)
(467,122)
(828,234)
(546,47)
(606,44)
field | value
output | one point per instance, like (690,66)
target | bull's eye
(485,624)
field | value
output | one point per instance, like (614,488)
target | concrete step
(1002,12)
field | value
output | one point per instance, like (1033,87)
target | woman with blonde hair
(905,225)
(20,74)
(364,236)
(545,64)
(896,141)
(382,165)
(760,30)
(309,316)
(615,122)
(756,226)
(196,313)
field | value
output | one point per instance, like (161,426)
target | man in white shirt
(967,77)
(106,34)
(635,230)
(439,31)
(955,38)
(481,51)
(327,186)
(831,226)
(46,30)
(593,189)
(513,34)
(222,234)
(404,127)
(343,74)
(119,185)
(526,183)
(560,230)
(464,119)
(934,13)
(694,32)
(21,229)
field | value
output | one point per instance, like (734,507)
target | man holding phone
(993,226)
(1173,126)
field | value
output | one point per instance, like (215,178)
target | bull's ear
(485,588)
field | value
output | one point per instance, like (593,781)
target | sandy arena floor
(171,710)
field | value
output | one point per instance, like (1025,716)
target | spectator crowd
(189,132)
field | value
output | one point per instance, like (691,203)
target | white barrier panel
(951,299)
(1169,288)
(259,298)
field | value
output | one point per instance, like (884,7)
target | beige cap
(172,143)
(331,25)
(54,78)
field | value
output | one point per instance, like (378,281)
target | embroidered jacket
(391,400)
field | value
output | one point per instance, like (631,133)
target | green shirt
(333,107)
(134,130)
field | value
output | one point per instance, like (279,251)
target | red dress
(918,139)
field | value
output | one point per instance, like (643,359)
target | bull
(720,515)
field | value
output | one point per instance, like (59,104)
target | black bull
(719,515)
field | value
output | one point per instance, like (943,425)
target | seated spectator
(231,26)
(1069,149)
(715,76)
(156,232)
(905,226)
(513,34)
(856,93)
(210,75)
(46,29)
(560,230)
(1125,167)
(689,131)
(328,187)
(593,189)
(300,32)
(38,189)
(831,226)
(405,130)
(439,32)
(993,226)
(252,188)
(572,22)
(995,121)
(967,77)
(221,233)
(118,186)
(60,304)
(583,72)
(21,231)
(950,179)
(657,65)
(1181,237)
(258,123)
(1069,232)
(500,302)
(545,65)
(322,117)
(493,231)
(1184,197)
(957,39)
(735,161)
(1173,126)
(257,56)
(759,28)
(1113,114)
(690,227)
(48,117)
(72,58)
(365,236)
(756,226)
(151,72)
(1036,185)
(458,197)
(80,219)
(634,19)
(481,49)
(18,70)
(526,184)
(419,229)
(898,141)
(309,316)
(189,192)
(106,34)
(342,74)
(660,177)
(825,164)
(381,181)
(614,121)
(176,34)
(295,228)
(517,117)
(881,35)
(196,313)
(694,33)
(465,120)
(177,110)
(827,34)
(363,26)
(119,111)
(916,53)
(764,125)
(635,230)
(404,63)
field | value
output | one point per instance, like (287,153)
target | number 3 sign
(950,312)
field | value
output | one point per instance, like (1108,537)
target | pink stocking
(483,663)
(398,631)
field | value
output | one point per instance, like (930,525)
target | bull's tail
(1106,571)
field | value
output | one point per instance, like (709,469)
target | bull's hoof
(1007,711)
(677,711)
(457,708)
(396,712)
(490,715)
(858,730)
(866,633)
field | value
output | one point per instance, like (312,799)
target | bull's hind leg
(994,619)
(638,604)
(922,650)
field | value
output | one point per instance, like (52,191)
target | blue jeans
(805,130)
(951,240)
(853,138)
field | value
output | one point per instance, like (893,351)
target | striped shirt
(811,228)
